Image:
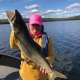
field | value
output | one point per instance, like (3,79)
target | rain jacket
(27,72)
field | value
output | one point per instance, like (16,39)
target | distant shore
(5,21)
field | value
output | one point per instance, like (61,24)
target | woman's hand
(43,71)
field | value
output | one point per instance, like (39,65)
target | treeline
(5,21)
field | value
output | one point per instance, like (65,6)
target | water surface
(66,42)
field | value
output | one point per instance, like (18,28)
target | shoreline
(5,21)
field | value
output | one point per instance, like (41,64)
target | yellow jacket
(27,72)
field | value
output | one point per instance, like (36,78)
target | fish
(28,45)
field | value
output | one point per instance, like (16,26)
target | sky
(47,8)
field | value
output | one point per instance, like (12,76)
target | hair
(42,28)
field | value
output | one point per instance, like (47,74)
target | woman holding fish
(36,29)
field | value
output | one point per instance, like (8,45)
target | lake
(66,43)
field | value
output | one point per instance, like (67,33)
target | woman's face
(34,29)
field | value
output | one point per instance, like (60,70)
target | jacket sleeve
(51,52)
(12,40)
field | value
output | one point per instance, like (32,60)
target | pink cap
(35,19)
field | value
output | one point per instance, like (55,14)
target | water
(66,42)
(4,42)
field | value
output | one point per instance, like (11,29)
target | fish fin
(56,74)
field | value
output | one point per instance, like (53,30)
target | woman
(36,30)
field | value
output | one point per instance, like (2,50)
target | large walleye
(27,45)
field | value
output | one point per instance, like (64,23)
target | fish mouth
(11,15)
